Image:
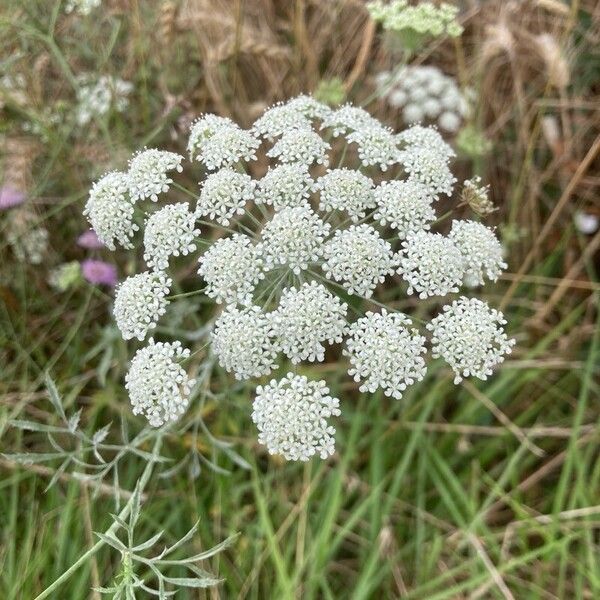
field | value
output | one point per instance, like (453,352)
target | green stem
(111,530)
(186,294)
(189,193)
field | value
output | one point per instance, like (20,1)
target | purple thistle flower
(89,239)
(99,272)
(10,197)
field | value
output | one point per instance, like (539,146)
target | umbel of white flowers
(424,93)
(285,254)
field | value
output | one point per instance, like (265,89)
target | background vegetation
(481,490)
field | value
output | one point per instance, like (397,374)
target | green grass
(402,510)
(481,490)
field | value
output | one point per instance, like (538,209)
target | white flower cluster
(148,173)
(309,107)
(429,165)
(293,237)
(202,129)
(359,259)
(279,119)
(407,206)
(109,210)
(170,231)
(468,335)
(242,340)
(286,252)
(349,118)
(481,250)
(218,142)
(385,353)
(431,264)
(303,146)
(285,186)
(159,388)
(417,136)
(305,319)
(83,7)
(423,19)
(110,206)
(424,93)
(231,268)
(95,98)
(224,195)
(376,146)
(291,416)
(346,190)
(140,301)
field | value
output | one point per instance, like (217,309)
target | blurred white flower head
(411,26)
(96,97)
(83,7)
(27,239)
(424,93)
(586,223)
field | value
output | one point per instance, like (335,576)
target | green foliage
(455,491)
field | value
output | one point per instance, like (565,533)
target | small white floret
(431,264)
(243,342)
(170,231)
(159,388)
(292,417)
(225,195)
(359,259)
(470,337)
(140,301)
(385,352)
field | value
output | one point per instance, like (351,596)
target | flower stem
(186,294)
(143,480)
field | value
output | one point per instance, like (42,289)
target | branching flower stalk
(292,248)
(124,514)
(89,456)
